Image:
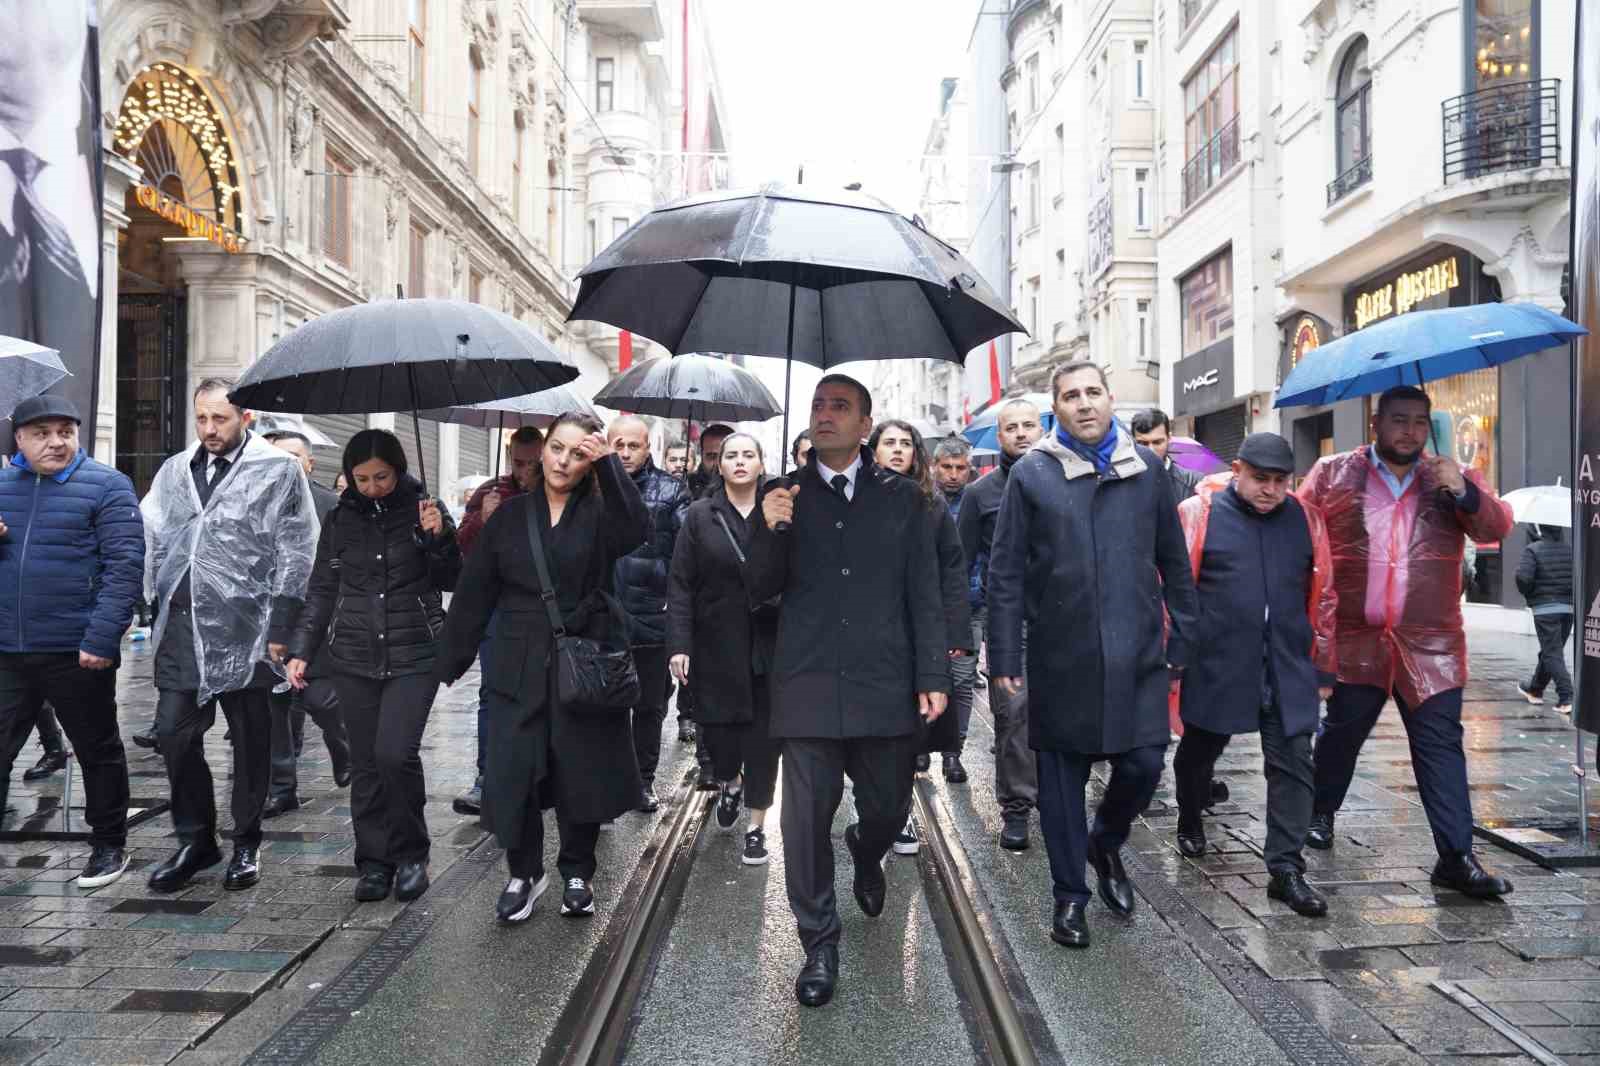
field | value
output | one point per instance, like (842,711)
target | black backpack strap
(547,591)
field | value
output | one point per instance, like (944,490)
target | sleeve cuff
(1468,501)
(939,682)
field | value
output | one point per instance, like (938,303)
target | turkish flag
(624,350)
(994,374)
(966,410)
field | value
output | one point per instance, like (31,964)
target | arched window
(1353,122)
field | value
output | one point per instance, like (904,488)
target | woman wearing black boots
(588,514)
(386,553)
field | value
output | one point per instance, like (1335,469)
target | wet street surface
(1208,971)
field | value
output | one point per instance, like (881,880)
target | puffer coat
(641,576)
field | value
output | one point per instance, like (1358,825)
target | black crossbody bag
(591,676)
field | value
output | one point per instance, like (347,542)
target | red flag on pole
(966,410)
(994,374)
(624,350)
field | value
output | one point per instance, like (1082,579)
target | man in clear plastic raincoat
(1397,523)
(230,534)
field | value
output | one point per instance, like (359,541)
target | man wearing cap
(1264,651)
(71,562)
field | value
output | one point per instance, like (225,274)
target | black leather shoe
(1290,887)
(869,884)
(147,739)
(1219,792)
(410,881)
(814,986)
(1071,926)
(181,867)
(954,772)
(49,763)
(1014,833)
(707,781)
(1116,891)
(277,805)
(648,803)
(341,767)
(1462,873)
(373,886)
(1320,835)
(244,869)
(923,762)
(1191,837)
(470,801)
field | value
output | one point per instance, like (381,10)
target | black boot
(1071,926)
(1191,835)
(814,986)
(1320,835)
(1116,891)
(49,763)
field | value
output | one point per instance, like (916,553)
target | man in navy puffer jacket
(71,566)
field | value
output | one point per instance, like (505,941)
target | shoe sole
(585,911)
(761,861)
(1068,942)
(466,808)
(906,849)
(85,881)
(1016,847)
(527,908)
(1537,701)
(240,886)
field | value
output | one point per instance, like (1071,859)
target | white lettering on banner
(1203,381)
(1591,630)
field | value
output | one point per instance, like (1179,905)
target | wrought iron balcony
(1214,159)
(1506,127)
(1351,180)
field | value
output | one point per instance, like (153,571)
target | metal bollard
(66,799)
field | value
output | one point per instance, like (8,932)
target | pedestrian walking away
(319,698)
(1544,577)
(1397,521)
(862,652)
(71,564)
(952,471)
(1262,651)
(641,588)
(230,535)
(522,459)
(1016,778)
(385,555)
(1087,548)
(720,634)
(585,513)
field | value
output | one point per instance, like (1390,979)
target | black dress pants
(387,791)
(319,699)
(576,855)
(86,702)
(1062,778)
(747,748)
(181,726)
(651,710)
(1553,630)
(881,771)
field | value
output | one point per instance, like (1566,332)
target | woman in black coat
(541,754)
(714,628)
(373,609)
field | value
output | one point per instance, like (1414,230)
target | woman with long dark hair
(897,446)
(386,554)
(586,512)
(727,640)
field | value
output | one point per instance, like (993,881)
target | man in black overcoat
(861,653)
(1086,549)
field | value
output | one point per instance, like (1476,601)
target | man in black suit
(861,654)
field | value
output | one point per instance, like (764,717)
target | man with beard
(1016,781)
(1397,522)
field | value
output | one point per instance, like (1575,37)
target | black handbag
(591,676)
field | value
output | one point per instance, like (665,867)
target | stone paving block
(279,926)
(1340,1016)
(61,999)
(12,1020)
(1475,1038)
(147,957)
(1568,1013)
(1575,1039)
(1525,1014)
(49,976)
(112,1053)
(80,1024)
(1277,958)
(1378,936)
(241,981)
(258,961)
(186,923)
(1554,947)
(103,938)
(1509,991)
(212,941)
(18,1052)
(84,920)
(182,1001)
(137,978)
(186,1027)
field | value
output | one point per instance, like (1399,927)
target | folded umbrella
(26,370)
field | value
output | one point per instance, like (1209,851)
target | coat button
(380,595)
(845,571)
(383,636)
(380,555)
(838,525)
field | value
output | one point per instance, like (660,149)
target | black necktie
(219,467)
(840,483)
(36,228)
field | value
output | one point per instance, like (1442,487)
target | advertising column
(1586,396)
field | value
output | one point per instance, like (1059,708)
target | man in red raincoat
(1397,522)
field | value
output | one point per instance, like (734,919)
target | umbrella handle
(788,373)
(416,428)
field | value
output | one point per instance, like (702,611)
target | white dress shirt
(849,472)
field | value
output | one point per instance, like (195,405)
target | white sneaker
(906,843)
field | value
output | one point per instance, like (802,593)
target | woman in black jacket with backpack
(373,608)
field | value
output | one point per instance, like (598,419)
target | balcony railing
(1350,180)
(1215,158)
(1507,127)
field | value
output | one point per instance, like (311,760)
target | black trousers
(1062,778)
(1554,630)
(1437,759)
(181,726)
(651,710)
(319,699)
(1287,764)
(881,771)
(87,707)
(747,748)
(387,791)
(574,859)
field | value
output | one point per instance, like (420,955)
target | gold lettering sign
(1406,291)
(191,221)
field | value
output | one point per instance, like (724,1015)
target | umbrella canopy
(1541,505)
(699,388)
(26,370)
(276,422)
(1192,455)
(789,271)
(982,431)
(1422,346)
(537,409)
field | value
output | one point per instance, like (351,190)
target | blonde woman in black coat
(715,629)
(541,754)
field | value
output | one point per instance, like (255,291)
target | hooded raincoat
(1397,571)
(248,552)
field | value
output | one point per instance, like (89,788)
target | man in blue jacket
(71,564)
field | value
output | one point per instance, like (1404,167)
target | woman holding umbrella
(586,513)
(386,553)
(714,628)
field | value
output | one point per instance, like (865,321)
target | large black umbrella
(537,409)
(402,355)
(695,388)
(788,271)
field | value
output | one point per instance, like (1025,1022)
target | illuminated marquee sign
(193,222)
(1306,337)
(1406,291)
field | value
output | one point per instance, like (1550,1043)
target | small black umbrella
(402,355)
(695,388)
(537,409)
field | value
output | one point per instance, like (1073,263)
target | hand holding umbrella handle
(777,506)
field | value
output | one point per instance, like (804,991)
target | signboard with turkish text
(1586,310)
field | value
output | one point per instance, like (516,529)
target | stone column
(221,310)
(120,176)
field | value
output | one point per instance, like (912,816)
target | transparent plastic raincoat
(1397,571)
(249,554)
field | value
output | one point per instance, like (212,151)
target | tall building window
(1206,296)
(1141,325)
(1352,129)
(605,77)
(417,274)
(1504,41)
(1211,119)
(337,176)
(516,169)
(1033,307)
(1141,198)
(1033,195)
(417,45)
(1141,54)
(474,90)
(475,286)
(1030,68)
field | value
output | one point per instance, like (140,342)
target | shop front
(1314,432)
(1203,399)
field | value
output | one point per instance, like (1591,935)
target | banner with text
(1586,310)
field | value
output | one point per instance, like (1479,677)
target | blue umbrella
(1423,346)
(981,432)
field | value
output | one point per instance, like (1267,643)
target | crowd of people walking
(815,627)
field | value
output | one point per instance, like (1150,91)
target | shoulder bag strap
(546,586)
(732,540)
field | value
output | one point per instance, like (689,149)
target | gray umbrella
(26,370)
(537,409)
(699,388)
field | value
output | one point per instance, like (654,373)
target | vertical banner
(1586,394)
(50,189)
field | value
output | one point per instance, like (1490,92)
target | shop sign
(1204,381)
(192,222)
(1207,380)
(1406,291)
(1307,336)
